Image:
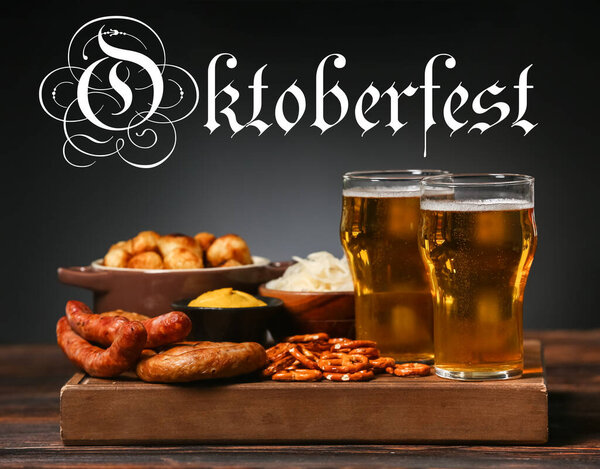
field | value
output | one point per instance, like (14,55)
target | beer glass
(477,238)
(380,218)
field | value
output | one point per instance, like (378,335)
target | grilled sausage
(193,361)
(167,328)
(98,329)
(121,356)
(161,330)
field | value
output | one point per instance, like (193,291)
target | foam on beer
(383,191)
(475,205)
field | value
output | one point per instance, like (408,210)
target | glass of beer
(380,218)
(477,238)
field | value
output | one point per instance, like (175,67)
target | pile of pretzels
(313,357)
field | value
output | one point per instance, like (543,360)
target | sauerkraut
(319,272)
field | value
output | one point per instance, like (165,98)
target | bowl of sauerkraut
(317,295)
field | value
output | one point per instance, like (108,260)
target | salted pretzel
(317,346)
(352,344)
(304,356)
(293,366)
(381,363)
(370,352)
(409,369)
(311,357)
(310,353)
(278,351)
(308,337)
(335,340)
(362,375)
(342,362)
(278,365)
(298,375)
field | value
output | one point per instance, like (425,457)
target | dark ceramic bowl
(231,324)
(151,292)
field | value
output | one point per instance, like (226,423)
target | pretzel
(278,351)
(317,346)
(293,366)
(335,340)
(310,353)
(342,362)
(409,369)
(370,352)
(298,375)
(352,344)
(302,357)
(306,357)
(381,363)
(308,337)
(362,375)
(328,355)
(278,365)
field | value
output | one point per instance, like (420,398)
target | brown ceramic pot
(309,312)
(151,292)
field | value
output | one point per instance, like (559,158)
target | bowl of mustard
(230,315)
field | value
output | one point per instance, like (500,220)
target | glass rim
(394,174)
(496,179)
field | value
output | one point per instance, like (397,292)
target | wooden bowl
(309,312)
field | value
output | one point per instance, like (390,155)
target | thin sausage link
(161,330)
(101,330)
(121,356)
(167,328)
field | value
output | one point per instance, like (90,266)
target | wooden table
(31,376)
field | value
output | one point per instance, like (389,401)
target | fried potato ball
(182,258)
(205,239)
(116,257)
(226,248)
(146,260)
(125,245)
(231,263)
(145,241)
(173,241)
(149,250)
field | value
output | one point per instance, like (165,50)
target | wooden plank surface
(31,376)
(386,410)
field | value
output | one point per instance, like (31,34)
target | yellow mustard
(226,298)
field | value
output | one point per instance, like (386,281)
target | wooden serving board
(386,410)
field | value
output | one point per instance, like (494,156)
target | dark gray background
(283,193)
